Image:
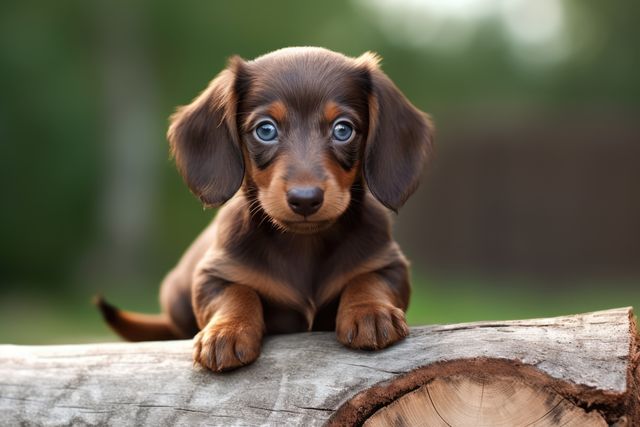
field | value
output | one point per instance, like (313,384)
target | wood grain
(491,402)
(301,379)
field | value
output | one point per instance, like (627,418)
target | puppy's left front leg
(232,325)
(371,311)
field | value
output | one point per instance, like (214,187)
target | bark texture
(585,363)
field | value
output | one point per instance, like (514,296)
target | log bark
(573,370)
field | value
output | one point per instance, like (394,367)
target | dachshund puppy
(310,150)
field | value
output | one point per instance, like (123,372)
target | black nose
(305,201)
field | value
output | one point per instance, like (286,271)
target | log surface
(300,379)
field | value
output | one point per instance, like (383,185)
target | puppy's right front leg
(231,322)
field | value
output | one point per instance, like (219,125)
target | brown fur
(232,327)
(278,111)
(260,267)
(331,111)
(370,315)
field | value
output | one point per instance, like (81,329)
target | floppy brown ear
(399,141)
(204,140)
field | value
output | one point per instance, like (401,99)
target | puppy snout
(305,201)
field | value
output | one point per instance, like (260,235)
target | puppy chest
(281,319)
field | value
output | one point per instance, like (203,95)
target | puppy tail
(136,326)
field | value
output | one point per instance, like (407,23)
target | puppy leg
(371,311)
(175,300)
(232,323)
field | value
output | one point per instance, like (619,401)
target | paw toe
(222,349)
(372,328)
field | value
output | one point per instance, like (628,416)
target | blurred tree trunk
(133,147)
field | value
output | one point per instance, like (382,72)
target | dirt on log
(577,370)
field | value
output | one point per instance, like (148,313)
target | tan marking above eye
(278,111)
(331,111)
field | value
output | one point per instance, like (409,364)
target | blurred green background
(531,206)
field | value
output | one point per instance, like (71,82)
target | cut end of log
(481,392)
(490,401)
(484,391)
(633,402)
(485,398)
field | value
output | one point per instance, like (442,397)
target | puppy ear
(399,140)
(204,139)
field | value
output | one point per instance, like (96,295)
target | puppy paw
(370,327)
(226,347)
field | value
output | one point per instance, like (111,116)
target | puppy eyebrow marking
(331,111)
(276,110)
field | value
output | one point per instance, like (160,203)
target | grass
(28,318)
(451,301)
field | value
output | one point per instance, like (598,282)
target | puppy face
(301,127)
(303,120)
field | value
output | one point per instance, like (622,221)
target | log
(576,370)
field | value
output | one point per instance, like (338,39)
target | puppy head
(301,126)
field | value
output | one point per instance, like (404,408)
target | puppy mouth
(307,226)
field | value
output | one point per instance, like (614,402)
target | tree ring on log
(480,392)
(463,400)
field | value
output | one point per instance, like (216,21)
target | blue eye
(266,131)
(342,131)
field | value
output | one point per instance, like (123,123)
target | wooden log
(576,370)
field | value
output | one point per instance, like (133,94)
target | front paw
(370,326)
(226,347)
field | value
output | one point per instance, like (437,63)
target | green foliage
(70,70)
